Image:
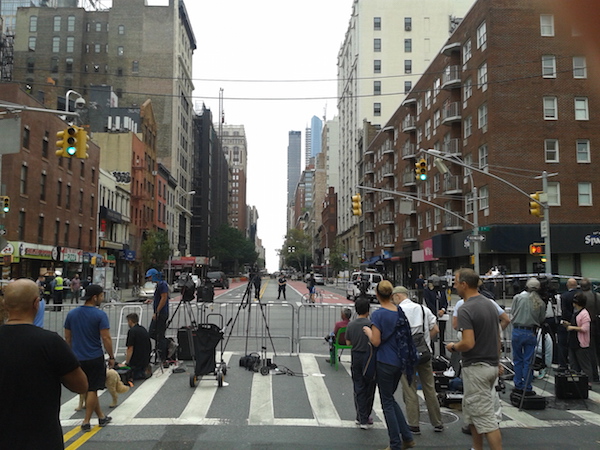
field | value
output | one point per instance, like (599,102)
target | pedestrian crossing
(326,392)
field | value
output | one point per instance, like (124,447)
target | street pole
(476,243)
(545,227)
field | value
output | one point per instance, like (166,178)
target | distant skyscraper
(307,146)
(294,163)
(316,128)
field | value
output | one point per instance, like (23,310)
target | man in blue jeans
(528,313)
(158,326)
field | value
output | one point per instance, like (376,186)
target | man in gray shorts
(480,348)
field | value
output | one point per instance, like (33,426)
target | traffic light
(67,142)
(537,249)
(421,169)
(535,208)
(5,203)
(82,144)
(356,205)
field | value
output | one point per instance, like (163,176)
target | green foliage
(336,257)
(296,250)
(232,248)
(155,250)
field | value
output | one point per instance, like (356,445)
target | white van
(353,290)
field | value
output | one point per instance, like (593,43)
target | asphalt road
(310,406)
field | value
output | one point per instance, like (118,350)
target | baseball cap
(91,290)
(400,290)
(533,284)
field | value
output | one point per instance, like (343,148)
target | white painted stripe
(588,416)
(125,412)
(197,408)
(318,396)
(261,401)
(67,409)
(154,421)
(521,418)
(377,408)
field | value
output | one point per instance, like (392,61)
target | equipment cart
(203,342)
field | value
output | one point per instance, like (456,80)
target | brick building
(510,94)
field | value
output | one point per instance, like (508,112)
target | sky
(266,55)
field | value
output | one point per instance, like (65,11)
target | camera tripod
(246,302)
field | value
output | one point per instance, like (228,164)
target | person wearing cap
(421,320)
(158,326)
(87,330)
(35,364)
(528,313)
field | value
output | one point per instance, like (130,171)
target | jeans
(523,343)
(157,331)
(388,377)
(364,388)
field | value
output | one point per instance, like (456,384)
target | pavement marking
(520,419)
(261,402)
(203,396)
(318,396)
(84,437)
(67,409)
(377,408)
(588,416)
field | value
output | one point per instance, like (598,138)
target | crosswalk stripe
(377,408)
(588,416)
(261,402)
(203,396)
(322,406)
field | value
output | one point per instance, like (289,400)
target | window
(408,24)
(467,89)
(71,23)
(428,129)
(40,229)
(23,180)
(56,23)
(583,151)
(97,48)
(33,22)
(581,108)
(547,25)
(55,44)
(549,66)
(466,54)
(377,109)
(70,44)
(31,44)
(56,232)
(45,144)
(468,203)
(484,200)
(468,126)
(550,108)
(135,66)
(468,159)
(436,87)
(98,26)
(69,65)
(427,99)
(407,86)
(121,29)
(376,87)
(482,77)
(437,118)
(22,222)
(551,150)
(553,193)
(482,37)
(408,66)
(66,240)
(377,23)
(437,214)
(54,65)
(68,196)
(482,117)
(483,156)
(377,66)
(579,67)
(59,194)
(377,45)
(420,105)
(584,193)
(43,187)
(408,45)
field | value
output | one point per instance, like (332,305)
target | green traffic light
(71,150)
(6,209)
(423,176)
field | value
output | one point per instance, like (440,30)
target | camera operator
(363,286)
(436,300)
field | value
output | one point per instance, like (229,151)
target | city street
(309,405)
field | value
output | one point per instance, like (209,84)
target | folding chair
(335,346)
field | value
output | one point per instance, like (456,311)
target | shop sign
(67,254)
(35,251)
(592,239)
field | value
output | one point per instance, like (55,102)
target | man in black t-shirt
(138,348)
(35,364)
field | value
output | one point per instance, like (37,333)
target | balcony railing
(451,77)
(408,179)
(452,185)
(369,168)
(368,207)
(452,223)
(388,170)
(388,240)
(369,227)
(409,234)
(451,146)
(387,217)
(408,150)
(451,113)
(408,124)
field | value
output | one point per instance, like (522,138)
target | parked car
(353,286)
(147,290)
(218,279)
(319,279)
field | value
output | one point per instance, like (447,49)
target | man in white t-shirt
(421,320)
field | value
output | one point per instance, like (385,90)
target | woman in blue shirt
(396,355)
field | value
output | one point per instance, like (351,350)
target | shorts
(478,402)
(95,370)
(311,290)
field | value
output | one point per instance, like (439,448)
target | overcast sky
(271,42)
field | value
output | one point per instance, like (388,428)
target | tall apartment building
(294,157)
(59,49)
(235,147)
(330,143)
(510,95)
(316,129)
(307,147)
(387,45)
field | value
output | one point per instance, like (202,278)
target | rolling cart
(203,343)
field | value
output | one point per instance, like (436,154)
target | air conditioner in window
(407,28)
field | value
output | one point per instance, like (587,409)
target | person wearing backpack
(423,328)
(396,355)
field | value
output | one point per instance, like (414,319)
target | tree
(155,250)
(297,250)
(232,248)
(337,257)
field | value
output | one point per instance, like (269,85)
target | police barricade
(117,317)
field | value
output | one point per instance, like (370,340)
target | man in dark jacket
(437,301)
(566,301)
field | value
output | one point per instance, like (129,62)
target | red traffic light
(536,249)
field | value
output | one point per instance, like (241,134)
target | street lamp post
(170,277)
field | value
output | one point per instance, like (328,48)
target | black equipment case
(529,401)
(183,339)
(571,385)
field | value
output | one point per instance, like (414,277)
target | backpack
(407,351)
(423,350)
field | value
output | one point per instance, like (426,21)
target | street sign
(476,237)
(484,228)
(543,228)
(2,231)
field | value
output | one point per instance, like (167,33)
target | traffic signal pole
(545,226)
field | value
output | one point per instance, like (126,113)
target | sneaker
(366,426)
(415,430)
(541,374)
(370,421)
(466,429)
(438,428)
(105,421)
(85,427)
